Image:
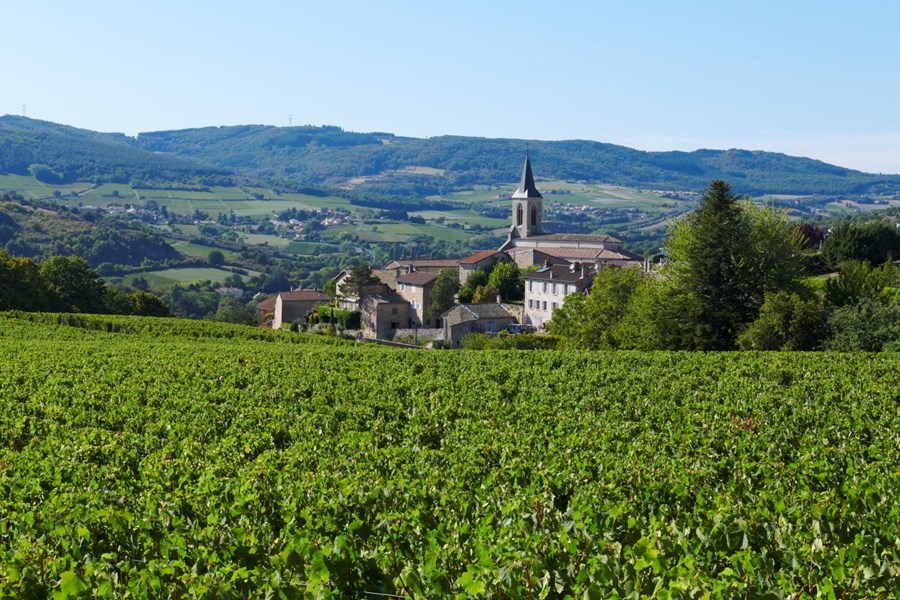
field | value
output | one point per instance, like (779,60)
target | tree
(593,321)
(857,282)
(216,258)
(276,282)
(360,282)
(231,310)
(870,325)
(330,287)
(145,304)
(787,321)
(234,280)
(873,243)
(21,285)
(723,258)
(505,279)
(446,286)
(485,294)
(116,301)
(73,285)
(476,278)
(813,236)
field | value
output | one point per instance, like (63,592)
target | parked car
(519,328)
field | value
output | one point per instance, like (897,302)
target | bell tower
(527,205)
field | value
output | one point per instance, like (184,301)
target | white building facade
(547,288)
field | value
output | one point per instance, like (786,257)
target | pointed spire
(527,189)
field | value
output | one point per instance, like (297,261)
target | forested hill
(330,156)
(58,154)
(385,163)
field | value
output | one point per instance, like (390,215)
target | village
(399,302)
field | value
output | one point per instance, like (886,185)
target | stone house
(463,319)
(546,288)
(415,288)
(294,306)
(383,313)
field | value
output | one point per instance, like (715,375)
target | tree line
(68,284)
(737,277)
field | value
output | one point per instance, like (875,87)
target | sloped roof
(488,310)
(527,189)
(267,305)
(478,257)
(423,263)
(422,278)
(386,297)
(571,253)
(607,254)
(304,295)
(562,273)
(575,237)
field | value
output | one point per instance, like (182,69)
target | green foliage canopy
(445,287)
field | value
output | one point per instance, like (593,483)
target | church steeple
(527,205)
(527,189)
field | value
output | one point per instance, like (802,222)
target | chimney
(455,299)
(575,266)
(499,299)
(547,262)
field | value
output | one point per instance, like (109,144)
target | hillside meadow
(174,459)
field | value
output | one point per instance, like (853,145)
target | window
(554,289)
(529,286)
(533,215)
(545,305)
(402,287)
(519,215)
(394,311)
(553,306)
(531,304)
(545,289)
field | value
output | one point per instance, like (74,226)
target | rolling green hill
(419,167)
(58,154)
(382,163)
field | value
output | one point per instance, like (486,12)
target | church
(527,244)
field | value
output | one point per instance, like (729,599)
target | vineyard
(157,458)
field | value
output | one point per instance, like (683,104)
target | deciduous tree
(446,286)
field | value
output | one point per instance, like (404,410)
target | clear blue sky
(811,78)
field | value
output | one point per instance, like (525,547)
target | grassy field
(395,232)
(167,278)
(197,250)
(464,217)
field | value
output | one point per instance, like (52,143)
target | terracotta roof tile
(478,257)
(299,295)
(268,304)
(576,237)
(423,263)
